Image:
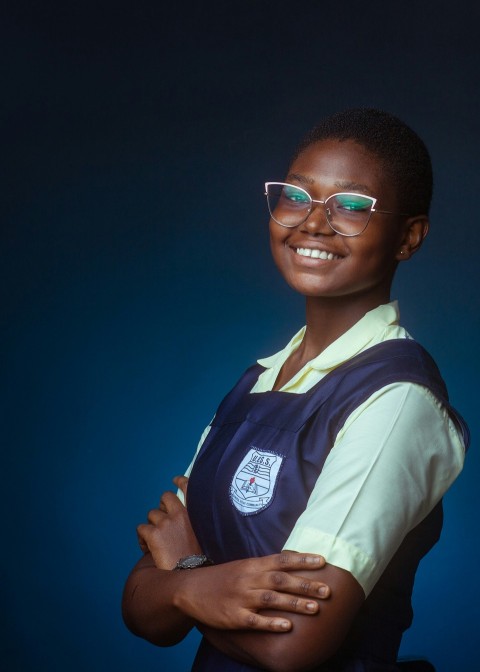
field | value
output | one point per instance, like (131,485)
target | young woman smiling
(317,488)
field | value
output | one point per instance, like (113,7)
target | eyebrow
(300,178)
(346,185)
(353,186)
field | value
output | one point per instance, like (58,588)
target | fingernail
(323,591)
(313,559)
(312,606)
(285,625)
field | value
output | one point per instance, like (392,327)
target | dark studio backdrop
(137,284)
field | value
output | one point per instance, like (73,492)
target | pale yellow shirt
(392,461)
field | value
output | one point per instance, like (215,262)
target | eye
(295,195)
(351,202)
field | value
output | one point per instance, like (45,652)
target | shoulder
(407,416)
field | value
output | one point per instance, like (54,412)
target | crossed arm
(288,611)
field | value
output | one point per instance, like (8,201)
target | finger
(288,560)
(254,621)
(284,582)
(169,502)
(270,599)
(150,536)
(155,516)
(181,482)
(143,532)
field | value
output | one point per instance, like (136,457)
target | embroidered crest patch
(253,483)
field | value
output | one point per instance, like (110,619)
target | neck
(328,318)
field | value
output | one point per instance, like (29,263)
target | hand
(169,535)
(232,595)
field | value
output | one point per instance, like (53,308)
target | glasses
(347,213)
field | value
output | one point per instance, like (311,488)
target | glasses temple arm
(389,212)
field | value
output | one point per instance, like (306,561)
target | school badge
(253,484)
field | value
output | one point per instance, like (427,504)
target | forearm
(265,650)
(275,652)
(311,640)
(148,604)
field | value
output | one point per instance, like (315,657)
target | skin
(241,607)
(162,606)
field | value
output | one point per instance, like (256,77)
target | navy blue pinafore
(258,465)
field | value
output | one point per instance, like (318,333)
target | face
(358,267)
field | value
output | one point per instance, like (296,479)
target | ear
(414,232)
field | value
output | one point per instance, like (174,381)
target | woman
(336,451)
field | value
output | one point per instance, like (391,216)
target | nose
(316,223)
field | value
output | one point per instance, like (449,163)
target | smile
(316,254)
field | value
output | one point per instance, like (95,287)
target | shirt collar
(349,344)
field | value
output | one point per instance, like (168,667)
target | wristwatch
(193,561)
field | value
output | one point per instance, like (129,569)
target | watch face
(193,561)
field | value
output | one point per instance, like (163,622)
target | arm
(148,606)
(241,606)
(162,606)
(228,603)
(148,603)
(310,641)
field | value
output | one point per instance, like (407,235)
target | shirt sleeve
(391,463)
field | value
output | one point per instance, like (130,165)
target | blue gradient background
(137,283)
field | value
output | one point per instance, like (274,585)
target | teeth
(316,254)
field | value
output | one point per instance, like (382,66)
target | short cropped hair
(402,151)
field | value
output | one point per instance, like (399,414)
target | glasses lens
(348,214)
(288,205)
